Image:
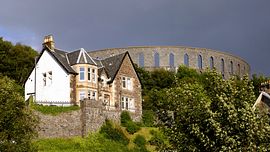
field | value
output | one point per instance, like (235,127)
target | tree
(212,115)
(17,60)
(17,123)
(257,81)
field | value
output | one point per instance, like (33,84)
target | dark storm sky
(240,27)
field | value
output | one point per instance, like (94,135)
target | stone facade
(146,55)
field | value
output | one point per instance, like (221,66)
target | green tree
(212,115)
(17,60)
(17,123)
(257,80)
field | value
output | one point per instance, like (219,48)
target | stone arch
(141,60)
(156,59)
(222,67)
(200,61)
(171,59)
(231,67)
(238,69)
(211,62)
(186,60)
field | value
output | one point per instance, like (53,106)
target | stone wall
(81,122)
(178,52)
(62,125)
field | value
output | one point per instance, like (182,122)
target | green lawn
(53,110)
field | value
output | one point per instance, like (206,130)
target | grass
(94,142)
(53,110)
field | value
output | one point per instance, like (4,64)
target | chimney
(48,41)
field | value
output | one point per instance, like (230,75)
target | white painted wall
(57,90)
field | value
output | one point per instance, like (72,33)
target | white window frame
(89,74)
(82,95)
(82,73)
(127,83)
(93,75)
(44,79)
(127,103)
(50,76)
(92,94)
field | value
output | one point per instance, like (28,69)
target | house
(64,78)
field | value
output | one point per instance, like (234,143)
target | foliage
(113,133)
(53,110)
(125,118)
(257,80)
(17,122)
(212,114)
(148,118)
(158,139)
(132,127)
(17,60)
(140,142)
(94,142)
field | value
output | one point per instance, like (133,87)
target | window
(50,76)
(200,65)
(211,63)
(186,60)
(231,67)
(44,79)
(127,104)
(81,73)
(82,95)
(92,95)
(171,60)
(89,74)
(141,60)
(93,75)
(156,59)
(222,66)
(126,83)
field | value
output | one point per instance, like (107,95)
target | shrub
(125,117)
(148,118)
(113,133)
(158,140)
(140,142)
(131,127)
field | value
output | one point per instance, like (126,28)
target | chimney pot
(49,42)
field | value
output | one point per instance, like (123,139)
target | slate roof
(111,65)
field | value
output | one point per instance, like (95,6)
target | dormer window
(127,83)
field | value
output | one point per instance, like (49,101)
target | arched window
(211,63)
(238,69)
(231,67)
(186,60)
(156,59)
(222,66)
(141,60)
(171,60)
(200,64)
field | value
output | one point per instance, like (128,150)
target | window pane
(89,74)
(211,62)
(81,73)
(231,68)
(222,66)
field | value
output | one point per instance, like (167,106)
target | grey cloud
(239,27)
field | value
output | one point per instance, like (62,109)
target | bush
(131,127)
(125,117)
(158,140)
(148,118)
(140,142)
(113,133)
